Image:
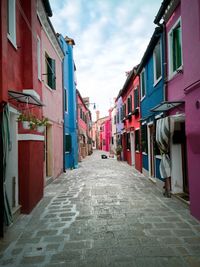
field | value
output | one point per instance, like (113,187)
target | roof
(150,47)
(48,8)
(130,76)
(166,10)
(161,11)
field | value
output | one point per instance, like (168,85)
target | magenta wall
(190,11)
(186,86)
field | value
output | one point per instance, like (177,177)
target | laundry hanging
(163,139)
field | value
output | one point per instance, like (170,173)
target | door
(12,164)
(151,151)
(132,148)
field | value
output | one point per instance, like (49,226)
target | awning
(25,98)
(167,105)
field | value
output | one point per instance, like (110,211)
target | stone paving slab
(104,213)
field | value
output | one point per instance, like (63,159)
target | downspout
(163,26)
(1,181)
(63,97)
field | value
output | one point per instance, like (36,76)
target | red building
(131,119)
(21,150)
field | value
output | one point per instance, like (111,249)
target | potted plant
(41,123)
(118,152)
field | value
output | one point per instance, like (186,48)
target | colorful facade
(183,93)
(20,97)
(151,71)
(52,92)
(131,119)
(70,141)
(84,127)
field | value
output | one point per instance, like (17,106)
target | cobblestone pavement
(104,213)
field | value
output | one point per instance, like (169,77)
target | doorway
(132,149)
(48,152)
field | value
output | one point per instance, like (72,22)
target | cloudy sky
(111,37)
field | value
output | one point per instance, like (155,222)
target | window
(175,48)
(124,111)
(81,113)
(66,100)
(130,104)
(143,84)
(51,72)
(39,58)
(157,62)
(11,21)
(136,99)
(144,138)
(68,143)
(137,140)
(115,119)
(112,140)
(121,113)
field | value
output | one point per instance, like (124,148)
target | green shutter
(176,46)
(68,143)
(136,99)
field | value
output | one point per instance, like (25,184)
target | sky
(111,37)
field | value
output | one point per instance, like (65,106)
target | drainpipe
(163,26)
(63,98)
(1,181)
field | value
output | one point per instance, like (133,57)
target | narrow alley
(104,213)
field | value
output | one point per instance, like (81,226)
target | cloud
(111,38)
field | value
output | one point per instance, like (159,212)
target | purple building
(182,105)
(119,117)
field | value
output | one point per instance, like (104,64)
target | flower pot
(26,125)
(41,128)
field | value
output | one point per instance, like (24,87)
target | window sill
(142,98)
(157,81)
(49,88)
(158,157)
(13,42)
(175,74)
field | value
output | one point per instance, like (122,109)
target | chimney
(97,114)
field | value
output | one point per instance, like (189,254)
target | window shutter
(130,103)
(53,73)
(136,98)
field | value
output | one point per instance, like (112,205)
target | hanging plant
(41,123)
(28,121)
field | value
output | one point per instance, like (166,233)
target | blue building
(70,133)
(152,73)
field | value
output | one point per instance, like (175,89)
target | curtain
(6,143)
(163,139)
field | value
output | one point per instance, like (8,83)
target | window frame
(11,22)
(47,65)
(141,86)
(39,58)
(156,80)
(171,71)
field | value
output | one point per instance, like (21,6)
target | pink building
(51,76)
(183,91)
(106,133)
